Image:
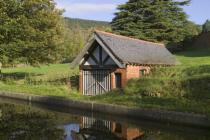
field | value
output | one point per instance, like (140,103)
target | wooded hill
(85,24)
(76,34)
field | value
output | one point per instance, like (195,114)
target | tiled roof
(126,50)
(134,51)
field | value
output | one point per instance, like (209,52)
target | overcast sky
(198,11)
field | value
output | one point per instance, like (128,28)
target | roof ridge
(130,38)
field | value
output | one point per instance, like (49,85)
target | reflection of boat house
(116,130)
(109,61)
(91,123)
(127,133)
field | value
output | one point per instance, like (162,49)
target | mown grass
(59,80)
(183,88)
(44,73)
(194,57)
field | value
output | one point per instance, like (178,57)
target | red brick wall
(81,82)
(134,71)
(128,73)
(124,77)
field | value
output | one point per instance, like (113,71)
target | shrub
(187,83)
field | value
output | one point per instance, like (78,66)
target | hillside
(85,24)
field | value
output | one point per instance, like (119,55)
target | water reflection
(20,121)
(107,130)
(25,123)
(90,128)
(94,129)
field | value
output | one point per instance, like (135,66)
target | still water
(27,121)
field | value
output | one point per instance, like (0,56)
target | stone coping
(190,119)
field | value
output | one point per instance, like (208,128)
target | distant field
(45,69)
(55,80)
(44,73)
(194,57)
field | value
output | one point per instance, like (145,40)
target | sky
(198,11)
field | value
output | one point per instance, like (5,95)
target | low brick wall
(190,119)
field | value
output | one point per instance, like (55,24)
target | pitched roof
(133,51)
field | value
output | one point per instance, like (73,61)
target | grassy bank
(182,88)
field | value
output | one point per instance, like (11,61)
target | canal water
(28,121)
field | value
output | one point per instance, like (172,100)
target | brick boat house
(108,61)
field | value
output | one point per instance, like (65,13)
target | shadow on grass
(159,101)
(195,52)
(198,70)
(71,81)
(177,104)
(167,103)
(17,75)
(198,88)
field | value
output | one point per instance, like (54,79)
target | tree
(74,41)
(76,34)
(30,31)
(153,20)
(206,26)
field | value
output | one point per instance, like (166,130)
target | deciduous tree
(30,31)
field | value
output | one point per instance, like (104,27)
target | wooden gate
(96,82)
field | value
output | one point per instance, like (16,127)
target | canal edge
(188,119)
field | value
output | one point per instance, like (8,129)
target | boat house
(108,61)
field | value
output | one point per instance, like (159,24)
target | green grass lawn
(194,57)
(182,88)
(59,80)
(42,73)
